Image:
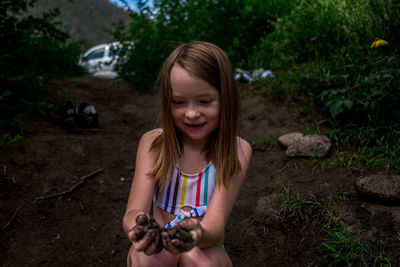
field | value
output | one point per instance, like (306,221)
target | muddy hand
(137,231)
(183,237)
(146,234)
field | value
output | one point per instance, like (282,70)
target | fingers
(136,233)
(155,246)
(143,218)
(193,227)
(147,235)
(168,245)
(177,240)
(189,224)
(143,243)
(182,246)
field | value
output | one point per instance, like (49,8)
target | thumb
(189,224)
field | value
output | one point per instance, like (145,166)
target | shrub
(235,26)
(33,51)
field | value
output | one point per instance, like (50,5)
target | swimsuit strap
(195,212)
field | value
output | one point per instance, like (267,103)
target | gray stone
(309,146)
(287,139)
(384,187)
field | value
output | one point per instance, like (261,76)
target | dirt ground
(83,227)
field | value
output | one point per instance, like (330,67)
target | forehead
(183,83)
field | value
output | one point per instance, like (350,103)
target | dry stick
(12,218)
(82,180)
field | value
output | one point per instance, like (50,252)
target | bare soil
(83,227)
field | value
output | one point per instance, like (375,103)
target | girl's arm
(142,188)
(223,200)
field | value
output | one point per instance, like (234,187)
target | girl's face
(195,106)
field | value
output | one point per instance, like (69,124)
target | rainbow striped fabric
(195,212)
(193,190)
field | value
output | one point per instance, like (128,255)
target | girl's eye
(206,101)
(177,102)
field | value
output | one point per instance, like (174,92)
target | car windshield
(96,54)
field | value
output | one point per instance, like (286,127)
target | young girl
(193,168)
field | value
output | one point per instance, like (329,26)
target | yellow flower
(378,42)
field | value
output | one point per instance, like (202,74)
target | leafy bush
(312,30)
(235,26)
(33,51)
(365,92)
(326,46)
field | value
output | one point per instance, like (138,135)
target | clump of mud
(147,227)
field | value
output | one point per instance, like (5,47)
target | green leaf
(348,103)
(336,108)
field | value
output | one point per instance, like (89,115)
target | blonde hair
(209,63)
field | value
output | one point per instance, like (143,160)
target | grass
(7,139)
(343,245)
(318,163)
(340,243)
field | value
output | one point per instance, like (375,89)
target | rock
(309,146)
(379,187)
(287,139)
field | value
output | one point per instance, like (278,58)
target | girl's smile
(195,105)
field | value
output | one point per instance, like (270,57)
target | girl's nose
(192,112)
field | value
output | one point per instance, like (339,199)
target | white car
(101,59)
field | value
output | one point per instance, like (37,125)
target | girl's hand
(146,234)
(177,245)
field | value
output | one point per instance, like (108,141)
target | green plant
(44,51)
(269,142)
(155,34)
(368,92)
(317,162)
(339,194)
(46,191)
(340,242)
(7,139)
(368,146)
(343,245)
(315,127)
(310,213)
(381,260)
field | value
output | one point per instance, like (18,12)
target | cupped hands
(148,236)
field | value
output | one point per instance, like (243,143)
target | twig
(12,218)
(81,181)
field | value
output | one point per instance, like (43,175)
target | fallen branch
(81,181)
(12,218)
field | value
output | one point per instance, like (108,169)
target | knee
(139,259)
(210,257)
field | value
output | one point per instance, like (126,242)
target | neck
(193,145)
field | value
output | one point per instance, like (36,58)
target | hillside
(85,20)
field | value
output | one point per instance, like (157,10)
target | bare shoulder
(149,136)
(244,146)
(244,151)
(147,139)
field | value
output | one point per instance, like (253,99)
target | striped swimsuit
(194,190)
